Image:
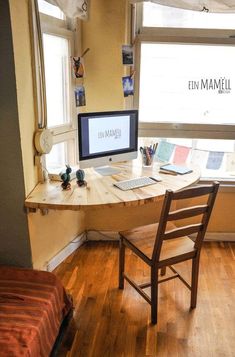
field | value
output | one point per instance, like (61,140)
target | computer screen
(107,137)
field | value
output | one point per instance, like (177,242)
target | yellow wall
(122,218)
(24,83)
(104,33)
(223,217)
(52,232)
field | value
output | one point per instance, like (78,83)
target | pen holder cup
(147,159)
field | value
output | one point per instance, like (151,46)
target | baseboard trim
(114,236)
(223,236)
(66,251)
(102,235)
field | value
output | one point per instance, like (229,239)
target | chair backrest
(188,211)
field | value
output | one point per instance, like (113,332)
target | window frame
(59,31)
(68,137)
(66,132)
(167,35)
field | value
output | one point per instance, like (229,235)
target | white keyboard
(136,183)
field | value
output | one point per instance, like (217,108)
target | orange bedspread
(32,307)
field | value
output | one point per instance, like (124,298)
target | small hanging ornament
(78,67)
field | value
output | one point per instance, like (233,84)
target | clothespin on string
(132,73)
(85,52)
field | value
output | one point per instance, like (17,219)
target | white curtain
(199,5)
(72,8)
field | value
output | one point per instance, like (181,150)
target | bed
(33,306)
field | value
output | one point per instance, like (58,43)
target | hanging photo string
(128,60)
(132,73)
(132,67)
(79,72)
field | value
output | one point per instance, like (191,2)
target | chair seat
(143,238)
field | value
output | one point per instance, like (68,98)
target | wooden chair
(163,244)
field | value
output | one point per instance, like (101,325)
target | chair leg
(121,263)
(163,271)
(194,281)
(154,295)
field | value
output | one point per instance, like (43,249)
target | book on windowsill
(175,169)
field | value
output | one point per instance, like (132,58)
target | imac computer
(107,137)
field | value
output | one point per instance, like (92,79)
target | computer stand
(107,170)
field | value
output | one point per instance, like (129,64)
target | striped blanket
(33,305)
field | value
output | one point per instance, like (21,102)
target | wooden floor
(110,322)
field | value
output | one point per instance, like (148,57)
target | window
(58,43)
(164,16)
(194,83)
(57,157)
(61,154)
(216,158)
(51,10)
(186,86)
(56,59)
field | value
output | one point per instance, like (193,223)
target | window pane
(63,153)
(216,158)
(56,53)
(163,16)
(57,156)
(50,10)
(187,83)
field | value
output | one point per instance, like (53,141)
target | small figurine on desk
(80,174)
(65,177)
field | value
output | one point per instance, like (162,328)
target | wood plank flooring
(111,322)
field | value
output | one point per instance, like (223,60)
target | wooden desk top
(101,193)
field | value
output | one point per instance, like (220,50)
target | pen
(155,147)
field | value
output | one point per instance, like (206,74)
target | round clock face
(43,141)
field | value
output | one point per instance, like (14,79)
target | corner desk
(100,192)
